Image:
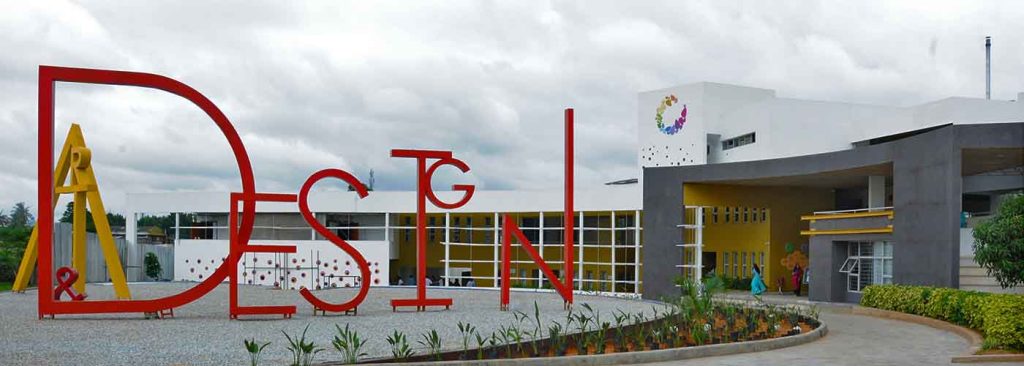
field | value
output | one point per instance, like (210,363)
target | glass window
(736,214)
(714,214)
(764,214)
(867,263)
(727,215)
(735,266)
(743,261)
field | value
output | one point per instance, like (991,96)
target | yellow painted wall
(782,225)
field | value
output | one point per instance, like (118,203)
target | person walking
(798,276)
(757,286)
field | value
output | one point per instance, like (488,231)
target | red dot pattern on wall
(306,267)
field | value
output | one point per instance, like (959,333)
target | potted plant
(620,331)
(557,339)
(432,341)
(349,344)
(466,330)
(400,349)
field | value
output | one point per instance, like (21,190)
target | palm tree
(4,220)
(21,216)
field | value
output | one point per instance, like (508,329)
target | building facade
(857,195)
(462,245)
(729,177)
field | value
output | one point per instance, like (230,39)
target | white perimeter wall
(311,266)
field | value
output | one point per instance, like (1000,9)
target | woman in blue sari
(757,286)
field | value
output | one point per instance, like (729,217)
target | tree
(999,243)
(21,216)
(4,220)
(69,215)
(152,264)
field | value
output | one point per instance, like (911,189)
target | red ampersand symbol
(66,277)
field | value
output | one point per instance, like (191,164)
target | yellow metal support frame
(76,160)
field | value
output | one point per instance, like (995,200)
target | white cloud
(318,85)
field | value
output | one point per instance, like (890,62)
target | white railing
(853,210)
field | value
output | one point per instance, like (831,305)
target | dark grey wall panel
(663,210)
(926,197)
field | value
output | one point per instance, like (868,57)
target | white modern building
(462,244)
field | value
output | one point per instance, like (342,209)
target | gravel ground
(202,334)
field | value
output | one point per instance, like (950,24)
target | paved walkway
(853,340)
(202,334)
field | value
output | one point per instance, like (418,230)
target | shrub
(1004,320)
(997,316)
(152,264)
(999,243)
(972,309)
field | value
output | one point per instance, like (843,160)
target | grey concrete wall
(663,210)
(926,196)
(824,264)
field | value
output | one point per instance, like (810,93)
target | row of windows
(736,215)
(740,264)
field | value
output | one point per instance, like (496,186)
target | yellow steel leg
(107,246)
(76,158)
(28,263)
(78,241)
(60,173)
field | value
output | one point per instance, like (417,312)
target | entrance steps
(975,278)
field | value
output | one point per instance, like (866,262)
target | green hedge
(1000,317)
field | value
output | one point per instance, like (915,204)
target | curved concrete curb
(972,337)
(647,356)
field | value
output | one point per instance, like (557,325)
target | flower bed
(1000,317)
(725,323)
(693,319)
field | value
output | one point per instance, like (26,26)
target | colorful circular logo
(660,119)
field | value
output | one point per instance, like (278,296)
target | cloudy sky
(318,85)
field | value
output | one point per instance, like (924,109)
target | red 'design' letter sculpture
(364,268)
(48,77)
(424,192)
(511,229)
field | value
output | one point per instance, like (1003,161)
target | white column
(540,240)
(580,269)
(177,227)
(876,191)
(636,252)
(613,252)
(387,228)
(447,245)
(131,227)
(698,221)
(495,284)
(312,233)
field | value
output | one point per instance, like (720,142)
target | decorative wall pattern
(315,264)
(660,120)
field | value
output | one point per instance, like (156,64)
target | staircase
(975,278)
